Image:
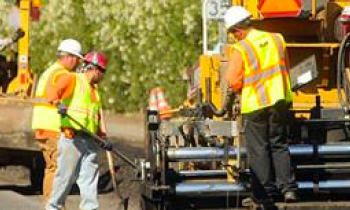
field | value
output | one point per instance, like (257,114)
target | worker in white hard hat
(258,72)
(46,120)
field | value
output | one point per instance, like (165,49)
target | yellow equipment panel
(210,68)
(20,85)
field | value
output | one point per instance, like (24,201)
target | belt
(70,132)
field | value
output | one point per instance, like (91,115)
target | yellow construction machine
(198,160)
(21,83)
(17,145)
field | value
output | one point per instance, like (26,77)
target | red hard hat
(97,59)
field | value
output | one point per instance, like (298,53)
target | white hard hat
(346,10)
(70,46)
(235,15)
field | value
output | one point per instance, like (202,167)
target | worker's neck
(246,32)
(64,64)
(89,77)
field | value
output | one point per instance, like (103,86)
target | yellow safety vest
(45,116)
(266,79)
(81,107)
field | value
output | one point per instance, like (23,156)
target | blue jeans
(77,162)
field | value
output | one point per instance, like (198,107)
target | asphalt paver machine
(198,159)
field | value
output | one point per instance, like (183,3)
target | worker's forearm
(53,96)
(234,73)
(63,88)
(56,94)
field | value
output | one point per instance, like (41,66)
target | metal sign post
(212,10)
(23,49)
(205,27)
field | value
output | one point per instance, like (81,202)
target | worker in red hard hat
(77,160)
(95,60)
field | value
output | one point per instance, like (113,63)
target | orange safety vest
(266,78)
(45,116)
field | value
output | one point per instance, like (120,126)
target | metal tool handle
(101,141)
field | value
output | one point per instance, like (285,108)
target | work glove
(61,108)
(106,145)
(17,35)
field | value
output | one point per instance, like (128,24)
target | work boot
(259,205)
(290,196)
(268,207)
(249,202)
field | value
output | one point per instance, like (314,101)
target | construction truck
(198,159)
(17,144)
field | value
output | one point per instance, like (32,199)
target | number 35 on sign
(215,9)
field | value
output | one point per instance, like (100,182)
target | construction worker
(258,71)
(46,120)
(77,151)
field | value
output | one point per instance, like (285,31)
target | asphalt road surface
(12,199)
(126,132)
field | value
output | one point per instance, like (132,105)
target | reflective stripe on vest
(253,62)
(81,107)
(45,116)
(266,78)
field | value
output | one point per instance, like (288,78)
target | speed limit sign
(216,9)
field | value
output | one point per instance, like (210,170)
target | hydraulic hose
(342,78)
(218,113)
(227,102)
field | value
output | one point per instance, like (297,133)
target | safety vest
(266,78)
(45,116)
(81,107)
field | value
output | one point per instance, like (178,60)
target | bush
(149,43)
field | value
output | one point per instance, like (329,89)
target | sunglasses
(102,70)
(91,66)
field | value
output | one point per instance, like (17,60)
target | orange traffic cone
(153,102)
(163,105)
(157,102)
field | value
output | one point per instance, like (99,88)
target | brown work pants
(49,149)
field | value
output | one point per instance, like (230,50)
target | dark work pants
(268,153)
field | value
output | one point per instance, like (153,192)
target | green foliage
(149,43)
(4,11)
